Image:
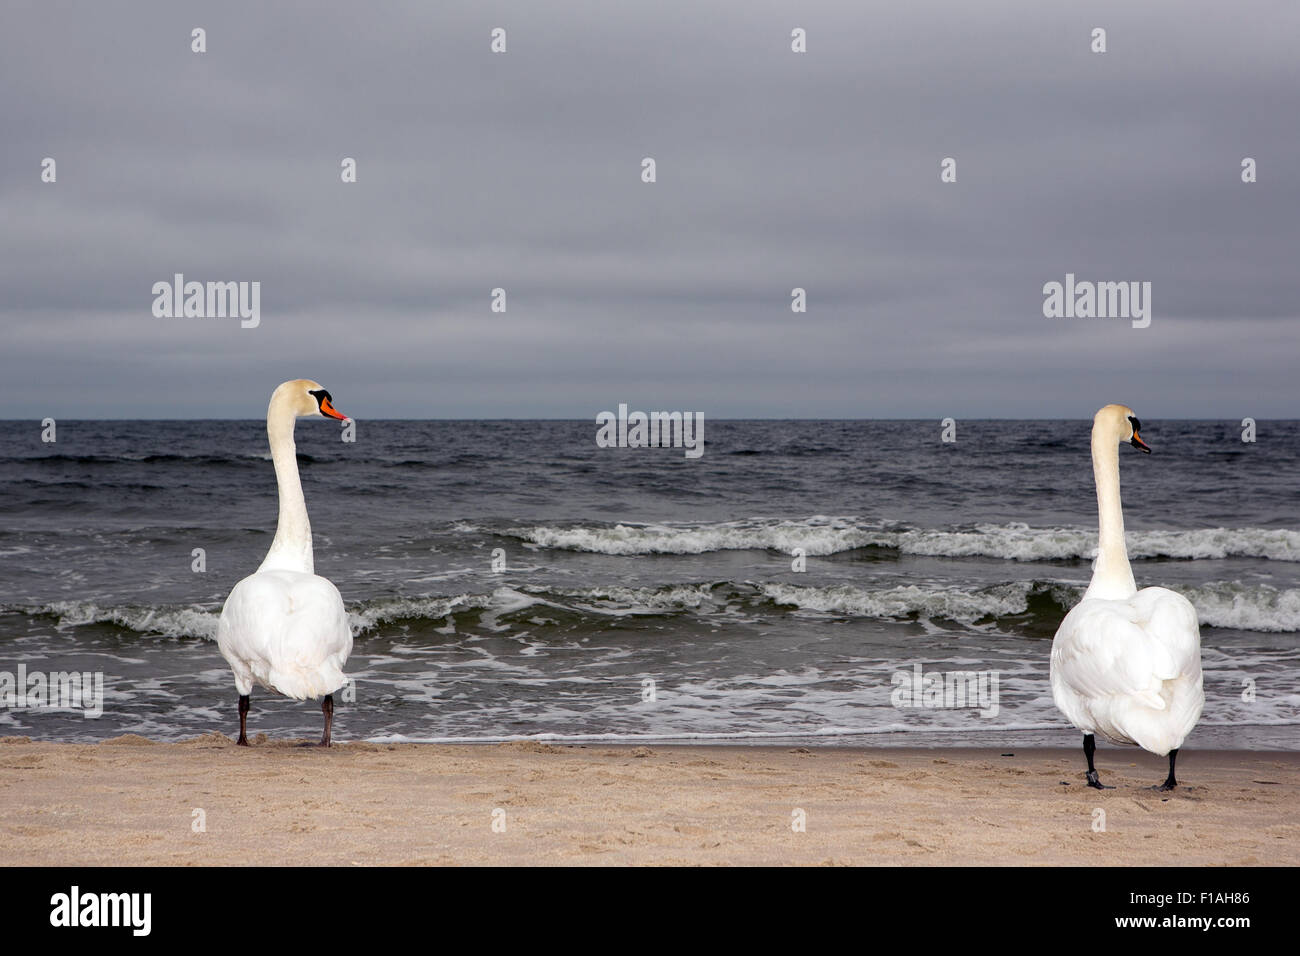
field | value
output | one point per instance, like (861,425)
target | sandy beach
(206,802)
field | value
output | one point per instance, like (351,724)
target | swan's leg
(243,721)
(327,707)
(1170,782)
(1089,748)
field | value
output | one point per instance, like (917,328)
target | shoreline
(132,801)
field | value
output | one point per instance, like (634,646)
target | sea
(801,581)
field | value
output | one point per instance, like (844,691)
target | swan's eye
(1137,425)
(325,403)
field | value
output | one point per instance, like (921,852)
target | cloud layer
(775,170)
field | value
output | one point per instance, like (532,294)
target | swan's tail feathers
(1160,730)
(1149,698)
(303,684)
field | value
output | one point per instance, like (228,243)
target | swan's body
(287,631)
(1130,669)
(1126,663)
(284,626)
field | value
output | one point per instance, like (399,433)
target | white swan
(1126,663)
(284,626)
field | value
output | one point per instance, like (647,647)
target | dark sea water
(625,566)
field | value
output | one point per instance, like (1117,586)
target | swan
(1126,663)
(284,626)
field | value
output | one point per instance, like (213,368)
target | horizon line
(591,420)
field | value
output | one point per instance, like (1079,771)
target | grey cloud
(775,170)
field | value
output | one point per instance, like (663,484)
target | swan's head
(304,397)
(1120,421)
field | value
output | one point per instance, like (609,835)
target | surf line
(654,430)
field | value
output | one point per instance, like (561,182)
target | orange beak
(1139,444)
(329,411)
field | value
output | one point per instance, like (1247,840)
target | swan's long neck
(1111,575)
(291,549)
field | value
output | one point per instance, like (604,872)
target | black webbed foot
(1094,782)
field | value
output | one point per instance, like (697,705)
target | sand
(206,802)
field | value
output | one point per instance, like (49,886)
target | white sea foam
(648,600)
(1219,604)
(1258,607)
(823,536)
(192,621)
(755,736)
(817,536)
(951,603)
(1245,607)
(1276,544)
(371,614)
(1016,542)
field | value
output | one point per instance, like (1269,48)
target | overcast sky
(775,170)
